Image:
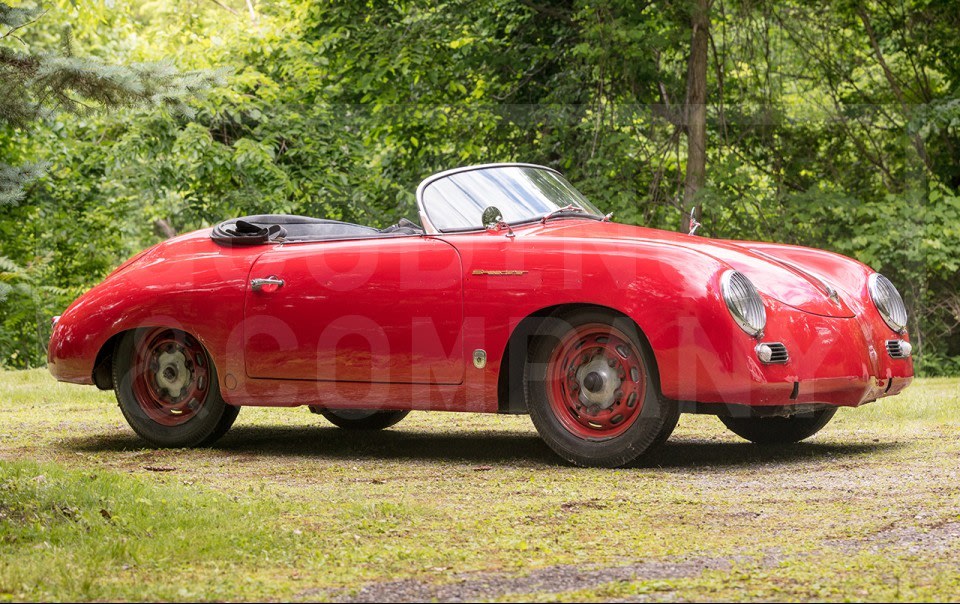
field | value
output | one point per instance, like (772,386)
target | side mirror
(491,217)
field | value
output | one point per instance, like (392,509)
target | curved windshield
(522,194)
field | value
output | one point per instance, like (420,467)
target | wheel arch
(510,397)
(102,374)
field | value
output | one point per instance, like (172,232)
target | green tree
(37,82)
(41,77)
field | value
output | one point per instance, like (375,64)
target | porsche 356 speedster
(514,294)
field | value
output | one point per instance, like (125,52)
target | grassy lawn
(465,506)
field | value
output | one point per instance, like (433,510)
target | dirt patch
(593,504)
(475,586)
(937,538)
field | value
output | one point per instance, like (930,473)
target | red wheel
(591,390)
(597,382)
(171,379)
(166,384)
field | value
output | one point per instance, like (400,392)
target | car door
(386,310)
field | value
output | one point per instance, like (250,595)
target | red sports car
(514,295)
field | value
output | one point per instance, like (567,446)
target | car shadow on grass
(493,447)
(705,454)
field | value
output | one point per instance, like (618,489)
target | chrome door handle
(258,284)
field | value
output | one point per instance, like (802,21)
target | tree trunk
(164,229)
(695,111)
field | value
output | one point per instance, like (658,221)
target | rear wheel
(361,419)
(167,388)
(779,430)
(590,390)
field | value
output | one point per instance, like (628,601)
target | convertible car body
(516,295)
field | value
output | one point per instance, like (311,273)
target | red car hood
(791,284)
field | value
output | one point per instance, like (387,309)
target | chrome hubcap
(172,374)
(599,383)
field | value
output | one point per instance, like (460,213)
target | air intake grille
(779,353)
(896,349)
(773,353)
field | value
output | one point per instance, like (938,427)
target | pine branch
(17,17)
(14,178)
(36,85)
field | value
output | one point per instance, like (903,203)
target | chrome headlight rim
(888,302)
(744,302)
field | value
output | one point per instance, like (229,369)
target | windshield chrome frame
(425,222)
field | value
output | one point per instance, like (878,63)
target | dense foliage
(835,127)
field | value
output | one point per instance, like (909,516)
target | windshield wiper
(567,208)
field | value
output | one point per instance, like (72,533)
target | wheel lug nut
(612,362)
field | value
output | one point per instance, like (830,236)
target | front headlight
(888,302)
(744,302)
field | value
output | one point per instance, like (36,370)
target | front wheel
(360,419)
(167,388)
(591,391)
(779,430)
